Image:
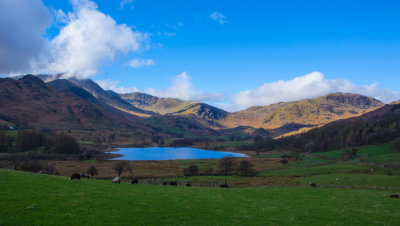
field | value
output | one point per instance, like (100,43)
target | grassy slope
(382,153)
(324,162)
(315,170)
(359,180)
(40,199)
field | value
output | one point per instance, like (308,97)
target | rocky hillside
(29,102)
(304,113)
(203,113)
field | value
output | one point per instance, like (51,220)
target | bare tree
(121,167)
(192,170)
(246,168)
(92,170)
(225,165)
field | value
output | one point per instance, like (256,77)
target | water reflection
(171,153)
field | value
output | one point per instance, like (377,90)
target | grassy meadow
(34,199)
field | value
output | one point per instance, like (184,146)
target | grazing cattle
(164,183)
(75,176)
(313,184)
(394,195)
(188,185)
(174,183)
(135,181)
(224,186)
(116,180)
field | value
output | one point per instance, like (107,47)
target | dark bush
(65,144)
(31,166)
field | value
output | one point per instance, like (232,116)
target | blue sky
(236,54)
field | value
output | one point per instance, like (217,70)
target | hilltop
(206,114)
(304,113)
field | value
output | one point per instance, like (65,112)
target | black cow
(164,183)
(395,196)
(75,176)
(188,185)
(224,186)
(135,181)
(174,183)
(313,184)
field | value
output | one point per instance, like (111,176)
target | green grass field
(34,199)
(382,153)
(358,180)
(316,170)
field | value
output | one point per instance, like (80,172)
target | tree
(246,168)
(225,165)
(92,171)
(65,144)
(192,170)
(121,167)
(3,142)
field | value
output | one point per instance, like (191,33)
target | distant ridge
(206,114)
(169,113)
(308,112)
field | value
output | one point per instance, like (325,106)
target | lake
(171,153)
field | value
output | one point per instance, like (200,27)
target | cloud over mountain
(88,39)
(308,86)
(182,88)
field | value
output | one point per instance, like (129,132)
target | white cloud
(182,88)
(137,63)
(89,38)
(22,26)
(109,84)
(308,86)
(124,3)
(219,17)
(168,34)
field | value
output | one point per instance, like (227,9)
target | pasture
(33,199)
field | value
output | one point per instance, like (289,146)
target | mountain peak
(356,100)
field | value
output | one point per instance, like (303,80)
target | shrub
(31,166)
(192,170)
(92,171)
(121,167)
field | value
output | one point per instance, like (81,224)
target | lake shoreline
(168,153)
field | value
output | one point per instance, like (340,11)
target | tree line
(226,166)
(32,140)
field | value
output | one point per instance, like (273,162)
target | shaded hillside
(203,113)
(110,98)
(29,102)
(61,105)
(303,113)
(375,127)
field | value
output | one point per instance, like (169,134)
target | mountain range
(52,102)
